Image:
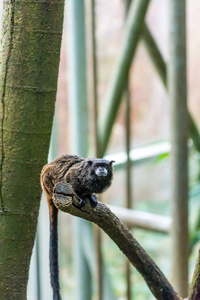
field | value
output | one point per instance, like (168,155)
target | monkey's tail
(53,252)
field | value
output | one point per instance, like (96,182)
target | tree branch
(195,285)
(106,220)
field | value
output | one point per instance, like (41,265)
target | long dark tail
(53,252)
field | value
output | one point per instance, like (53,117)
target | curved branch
(106,220)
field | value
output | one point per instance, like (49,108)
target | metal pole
(179,136)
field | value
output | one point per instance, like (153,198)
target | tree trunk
(29,57)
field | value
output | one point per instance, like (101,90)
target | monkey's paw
(78,202)
(93,200)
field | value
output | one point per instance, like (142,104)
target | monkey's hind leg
(80,203)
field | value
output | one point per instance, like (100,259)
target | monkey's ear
(111,162)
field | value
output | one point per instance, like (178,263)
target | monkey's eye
(89,162)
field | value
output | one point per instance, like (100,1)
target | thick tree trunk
(29,57)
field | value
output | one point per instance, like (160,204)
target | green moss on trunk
(29,59)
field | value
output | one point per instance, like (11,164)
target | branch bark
(106,220)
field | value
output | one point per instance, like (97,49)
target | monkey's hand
(80,203)
(93,200)
(83,199)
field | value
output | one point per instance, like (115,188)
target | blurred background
(149,130)
(91,265)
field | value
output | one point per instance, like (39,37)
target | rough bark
(29,57)
(106,220)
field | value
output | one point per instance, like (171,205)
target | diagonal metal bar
(133,30)
(161,69)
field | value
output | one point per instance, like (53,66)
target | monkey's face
(101,170)
(101,167)
(99,174)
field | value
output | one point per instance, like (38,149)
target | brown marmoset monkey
(87,177)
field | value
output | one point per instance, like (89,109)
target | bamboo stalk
(133,29)
(94,72)
(161,69)
(128,181)
(179,137)
(155,55)
(128,166)
(78,120)
(105,289)
(116,85)
(94,83)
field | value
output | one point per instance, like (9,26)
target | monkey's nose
(101,172)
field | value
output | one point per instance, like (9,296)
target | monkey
(86,177)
